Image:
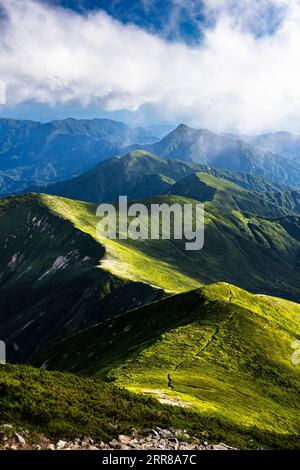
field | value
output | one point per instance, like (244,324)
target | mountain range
(282,143)
(68,277)
(41,152)
(140,174)
(35,153)
(230,153)
(116,322)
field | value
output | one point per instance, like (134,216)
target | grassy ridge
(65,406)
(228,353)
(51,284)
(256,252)
(130,259)
(67,278)
(140,174)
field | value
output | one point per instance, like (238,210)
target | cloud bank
(241,77)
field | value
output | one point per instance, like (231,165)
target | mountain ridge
(54,261)
(41,152)
(123,176)
(228,353)
(227,153)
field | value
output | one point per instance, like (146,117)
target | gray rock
(217,447)
(227,447)
(20,439)
(124,439)
(61,444)
(114,444)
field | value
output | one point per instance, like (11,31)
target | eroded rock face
(155,439)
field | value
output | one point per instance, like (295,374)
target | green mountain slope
(66,406)
(65,277)
(51,284)
(157,263)
(289,200)
(225,194)
(140,174)
(121,176)
(257,253)
(229,354)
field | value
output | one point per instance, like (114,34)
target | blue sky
(166,18)
(173,20)
(229,65)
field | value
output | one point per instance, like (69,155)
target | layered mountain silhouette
(139,174)
(33,151)
(282,143)
(228,153)
(222,321)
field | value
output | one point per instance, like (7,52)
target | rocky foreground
(148,439)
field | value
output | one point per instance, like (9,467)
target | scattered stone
(20,439)
(114,444)
(61,444)
(124,439)
(218,447)
(227,447)
(152,439)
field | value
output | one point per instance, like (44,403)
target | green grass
(228,353)
(257,253)
(66,406)
(51,282)
(102,278)
(62,405)
(137,261)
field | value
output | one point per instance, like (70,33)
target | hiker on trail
(170,381)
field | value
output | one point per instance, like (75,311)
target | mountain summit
(226,153)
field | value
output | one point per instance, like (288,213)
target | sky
(226,65)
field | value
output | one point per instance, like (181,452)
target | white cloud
(2,93)
(258,16)
(233,80)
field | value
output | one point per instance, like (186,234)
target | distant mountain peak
(182,127)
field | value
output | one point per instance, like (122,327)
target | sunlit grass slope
(65,406)
(229,354)
(256,252)
(158,264)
